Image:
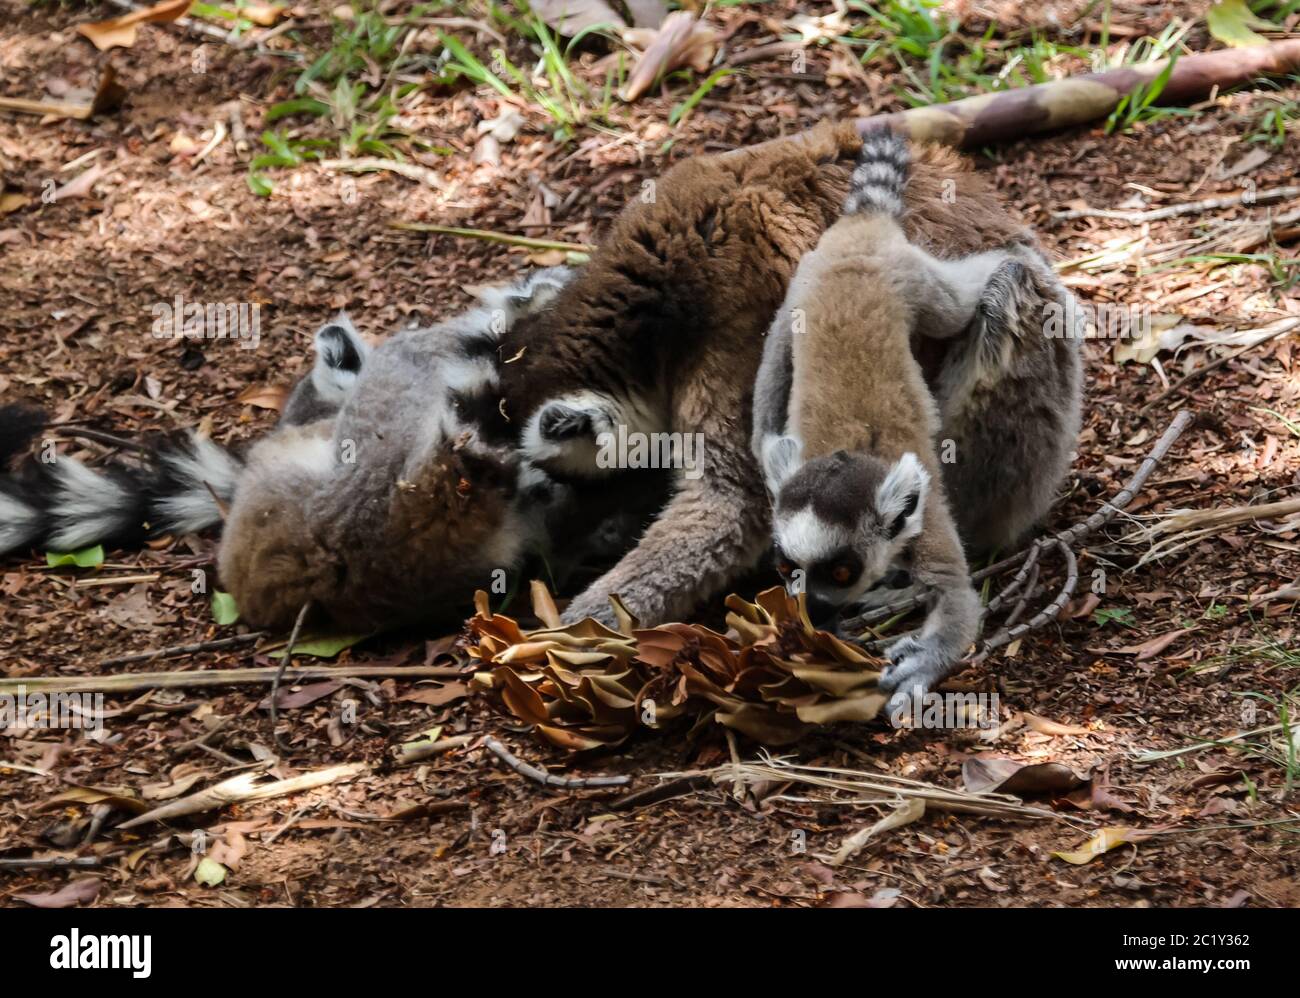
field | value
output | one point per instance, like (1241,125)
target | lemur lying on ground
(664,327)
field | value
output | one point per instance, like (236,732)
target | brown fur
(672,309)
(870,392)
(676,302)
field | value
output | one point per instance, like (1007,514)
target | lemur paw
(916,666)
(563,422)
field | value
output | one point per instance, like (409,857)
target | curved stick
(279,675)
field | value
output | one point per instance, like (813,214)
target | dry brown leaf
(264,396)
(289,699)
(81,185)
(1152,648)
(680,41)
(12,201)
(992,774)
(572,17)
(1046,727)
(1104,841)
(436,696)
(119,32)
(261,14)
(771,677)
(68,896)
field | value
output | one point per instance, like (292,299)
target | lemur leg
(1009,395)
(713,529)
(946,293)
(774,382)
(919,662)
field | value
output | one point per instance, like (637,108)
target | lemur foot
(916,667)
(562,422)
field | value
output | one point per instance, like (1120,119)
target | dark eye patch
(844,563)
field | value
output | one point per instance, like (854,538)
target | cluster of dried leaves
(772,676)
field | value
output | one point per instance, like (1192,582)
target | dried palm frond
(772,676)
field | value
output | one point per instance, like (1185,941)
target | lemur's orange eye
(842,575)
(784,567)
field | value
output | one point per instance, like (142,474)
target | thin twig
(425,749)
(1045,616)
(370,164)
(279,673)
(198,679)
(1031,562)
(492,237)
(47,862)
(108,439)
(549,779)
(1019,608)
(172,652)
(1190,208)
(1213,365)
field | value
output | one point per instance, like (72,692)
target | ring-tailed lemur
(180,483)
(183,481)
(664,330)
(667,320)
(847,429)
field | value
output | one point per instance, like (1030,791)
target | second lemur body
(847,428)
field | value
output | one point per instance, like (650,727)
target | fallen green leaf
(85,558)
(209,872)
(224,610)
(323,647)
(1231,22)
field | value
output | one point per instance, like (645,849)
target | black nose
(820,611)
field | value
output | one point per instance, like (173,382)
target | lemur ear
(781,459)
(900,498)
(340,353)
(539,288)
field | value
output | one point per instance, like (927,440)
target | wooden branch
(242,788)
(493,237)
(1045,616)
(138,681)
(1248,198)
(425,749)
(549,779)
(1006,115)
(174,650)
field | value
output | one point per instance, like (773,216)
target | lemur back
(851,464)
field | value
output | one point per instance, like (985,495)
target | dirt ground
(1175,651)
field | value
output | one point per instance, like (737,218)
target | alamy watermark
(948,711)
(194,320)
(1081,320)
(28,711)
(634,449)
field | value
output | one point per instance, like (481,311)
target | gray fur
(1010,399)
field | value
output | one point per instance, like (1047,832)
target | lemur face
(841,523)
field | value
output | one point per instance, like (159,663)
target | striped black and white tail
(876,186)
(56,503)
